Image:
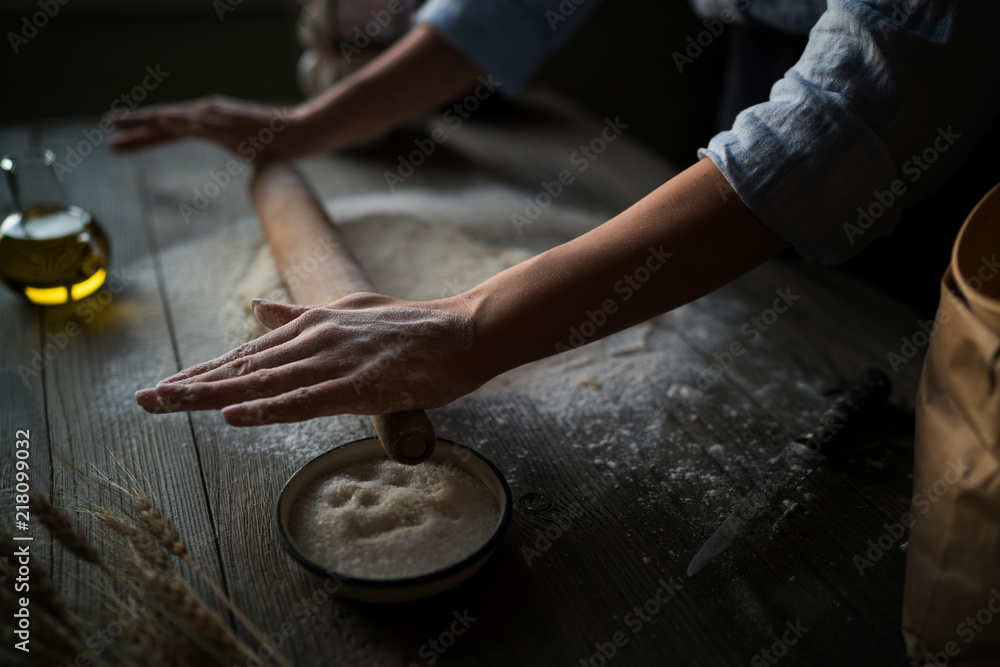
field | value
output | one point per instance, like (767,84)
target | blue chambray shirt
(886,102)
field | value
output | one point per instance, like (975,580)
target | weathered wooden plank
(244,468)
(788,413)
(22,387)
(815,339)
(633,521)
(118,341)
(619,463)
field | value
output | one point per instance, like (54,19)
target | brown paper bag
(951,604)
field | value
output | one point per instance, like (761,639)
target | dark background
(93,50)
(618,64)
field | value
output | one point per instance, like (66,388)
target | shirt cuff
(872,119)
(506,38)
(801,168)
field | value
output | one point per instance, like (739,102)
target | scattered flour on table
(417,254)
(380,519)
(422,245)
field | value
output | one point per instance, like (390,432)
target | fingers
(274,357)
(148,401)
(139,137)
(272,339)
(149,114)
(273,314)
(156,129)
(318,400)
(263,383)
(160,124)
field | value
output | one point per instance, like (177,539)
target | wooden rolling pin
(298,230)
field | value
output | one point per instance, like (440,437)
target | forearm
(682,241)
(418,73)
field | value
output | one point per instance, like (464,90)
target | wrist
(490,353)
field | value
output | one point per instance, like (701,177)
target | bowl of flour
(388,532)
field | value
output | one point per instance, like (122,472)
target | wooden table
(615,488)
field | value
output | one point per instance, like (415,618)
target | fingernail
(148,401)
(171,395)
(239,416)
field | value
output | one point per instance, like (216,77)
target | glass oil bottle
(50,252)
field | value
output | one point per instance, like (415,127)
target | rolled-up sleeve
(885,104)
(506,38)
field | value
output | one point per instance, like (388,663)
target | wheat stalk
(164,533)
(137,539)
(143,647)
(173,625)
(160,527)
(201,623)
(62,530)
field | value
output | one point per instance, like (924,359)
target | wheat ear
(62,529)
(164,533)
(204,626)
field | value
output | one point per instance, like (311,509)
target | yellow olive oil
(53,255)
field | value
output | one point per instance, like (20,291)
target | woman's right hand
(245,128)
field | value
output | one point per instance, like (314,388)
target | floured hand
(365,354)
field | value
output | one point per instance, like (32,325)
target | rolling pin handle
(294,221)
(407,437)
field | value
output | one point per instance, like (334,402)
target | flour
(407,256)
(628,398)
(379,519)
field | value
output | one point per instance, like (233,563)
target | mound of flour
(380,519)
(417,246)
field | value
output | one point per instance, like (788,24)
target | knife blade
(849,414)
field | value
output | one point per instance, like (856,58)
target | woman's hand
(364,354)
(245,128)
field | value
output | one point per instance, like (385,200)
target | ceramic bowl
(407,588)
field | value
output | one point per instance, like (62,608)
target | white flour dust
(629,402)
(384,520)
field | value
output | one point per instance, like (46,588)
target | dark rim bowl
(401,589)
